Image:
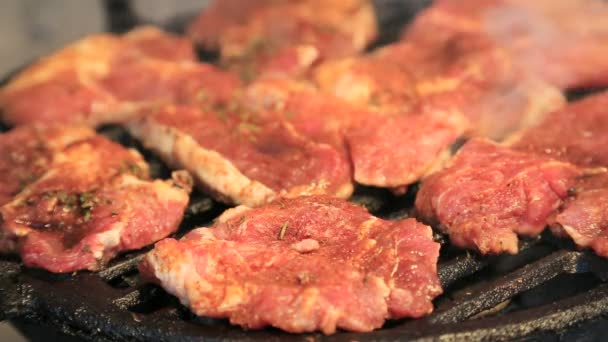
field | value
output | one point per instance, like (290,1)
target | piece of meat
(584,217)
(470,74)
(26,153)
(242,157)
(578,133)
(287,37)
(489,194)
(302,264)
(93,201)
(387,150)
(66,84)
(399,150)
(219,16)
(375,84)
(150,42)
(148,82)
(321,117)
(562,41)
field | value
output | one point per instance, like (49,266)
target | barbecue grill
(549,291)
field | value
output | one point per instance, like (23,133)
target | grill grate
(544,292)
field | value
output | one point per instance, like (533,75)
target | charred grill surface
(539,294)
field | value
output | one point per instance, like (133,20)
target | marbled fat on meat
(93,201)
(303,264)
(489,194)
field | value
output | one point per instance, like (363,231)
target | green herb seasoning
(290,114)
(283,230)
(247,126)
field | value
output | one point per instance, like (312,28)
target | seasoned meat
(387,149)
(285,37)
(561,41)
(468,74)
(244,158)
(302,264)
(578,133)
(106,79)
(378,85)
(399,150)
(489,194)
(584,217)
(219,16)
(93,201)
(321,117)
(26,153)
(150,83)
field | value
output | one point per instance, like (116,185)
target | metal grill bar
(490,294)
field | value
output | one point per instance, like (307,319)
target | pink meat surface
(584,217)
(561,41)
(242,157)
(578,133)
(489,194)
(303,264)
(93,201)
(26,153)
(396,151)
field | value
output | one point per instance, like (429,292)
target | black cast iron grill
(549,291)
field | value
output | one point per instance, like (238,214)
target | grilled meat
(106,79)
(578,133)
(244,158)
(489,194)
(219,16)
(375,84)
(323,118)
(92,201)
(285,37)
(387,149)
(26,153)
(584,216)
(303,264)
(397,151)
(562,42)
(468,75)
